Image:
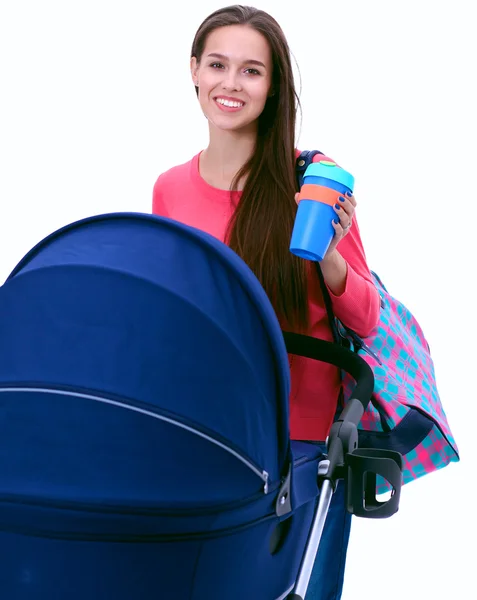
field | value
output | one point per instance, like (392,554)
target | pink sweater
(181,194)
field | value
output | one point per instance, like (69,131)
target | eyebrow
(250,61)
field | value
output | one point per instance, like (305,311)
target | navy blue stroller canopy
(143,376)
(158,318)
(145,453)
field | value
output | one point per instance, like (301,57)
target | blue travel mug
(323,183)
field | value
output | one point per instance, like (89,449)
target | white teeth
(229,103)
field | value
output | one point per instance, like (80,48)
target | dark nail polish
(338,207)
(349,194)
(341,199)
(335,221)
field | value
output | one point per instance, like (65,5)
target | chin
(228,124)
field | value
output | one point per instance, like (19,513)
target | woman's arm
(354,296)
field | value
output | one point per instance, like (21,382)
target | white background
(96,101)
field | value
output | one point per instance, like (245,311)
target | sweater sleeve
(359,305)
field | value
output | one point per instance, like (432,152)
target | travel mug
(323,183)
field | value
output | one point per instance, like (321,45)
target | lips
(228,103)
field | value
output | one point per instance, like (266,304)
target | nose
(231,81)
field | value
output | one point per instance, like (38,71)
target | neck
(225,155)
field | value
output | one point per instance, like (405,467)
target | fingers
(345,220)
(351,198)
(339,231)
(345,208)
(346,203)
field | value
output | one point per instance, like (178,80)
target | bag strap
(302,162)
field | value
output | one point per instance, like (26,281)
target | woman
(242,189)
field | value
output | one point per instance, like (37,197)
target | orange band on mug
(311,191)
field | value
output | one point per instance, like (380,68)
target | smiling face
(233,76)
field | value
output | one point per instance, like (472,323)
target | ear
(194,69)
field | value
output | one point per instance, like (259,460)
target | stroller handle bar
(334,354)
(360,467)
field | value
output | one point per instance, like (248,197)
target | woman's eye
(217,65)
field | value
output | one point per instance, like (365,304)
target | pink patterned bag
(405,413)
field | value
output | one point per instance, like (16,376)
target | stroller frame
(359,468)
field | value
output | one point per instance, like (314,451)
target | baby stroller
(145,451)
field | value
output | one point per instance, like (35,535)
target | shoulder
(167,184)
(175,174)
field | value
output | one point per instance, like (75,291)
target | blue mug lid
(331,171)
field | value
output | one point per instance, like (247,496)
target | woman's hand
(344,208)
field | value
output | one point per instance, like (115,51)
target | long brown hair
(260,228)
